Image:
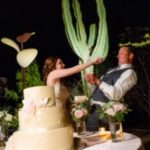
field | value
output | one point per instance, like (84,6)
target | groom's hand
(91,78)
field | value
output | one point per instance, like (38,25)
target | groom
(111,86)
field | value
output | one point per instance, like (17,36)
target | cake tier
(48,118)
(57,139)
(39,95)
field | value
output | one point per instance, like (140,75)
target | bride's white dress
(61,94)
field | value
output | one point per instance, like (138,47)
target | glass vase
(116,130)
(80,127)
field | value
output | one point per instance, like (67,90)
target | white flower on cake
(43,103)
(80,99)
(29,106)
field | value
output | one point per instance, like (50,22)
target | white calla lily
(26,56)
(10,43)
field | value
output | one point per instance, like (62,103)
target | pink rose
(78,114)
(110,112)
(119,107)
(85,111)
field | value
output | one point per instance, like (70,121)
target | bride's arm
(60,73)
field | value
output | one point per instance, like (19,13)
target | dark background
(45,18)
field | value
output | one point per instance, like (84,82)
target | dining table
(130,142)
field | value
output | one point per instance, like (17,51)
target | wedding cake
(42,124)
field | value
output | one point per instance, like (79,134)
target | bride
(54,71)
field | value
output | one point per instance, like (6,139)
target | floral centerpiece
(79,113)
(115,111)
(79,108)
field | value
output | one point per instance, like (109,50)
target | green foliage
(136,37)
(33,78)
(119,116)
(8,121)
(75,89)
(11,94)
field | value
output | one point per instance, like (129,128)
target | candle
(104,134)
(102,131)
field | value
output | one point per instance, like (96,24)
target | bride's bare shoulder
(51,79)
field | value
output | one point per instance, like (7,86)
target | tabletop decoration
(115,111)
(79,113)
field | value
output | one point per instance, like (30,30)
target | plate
(87,134)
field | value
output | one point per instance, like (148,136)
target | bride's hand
(99,60)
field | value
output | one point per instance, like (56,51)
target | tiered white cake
(42,125)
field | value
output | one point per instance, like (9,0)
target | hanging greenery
(136,37)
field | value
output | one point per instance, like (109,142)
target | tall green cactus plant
(96,45)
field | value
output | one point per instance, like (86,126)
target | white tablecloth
(131,142)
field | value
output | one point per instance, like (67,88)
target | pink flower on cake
(29,107)
(42,103)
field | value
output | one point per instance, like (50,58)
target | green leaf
(102,115)
(119,116)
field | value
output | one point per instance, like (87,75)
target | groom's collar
(122,66)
